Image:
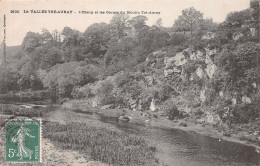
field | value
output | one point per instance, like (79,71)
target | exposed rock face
(200,72)
(197,55)
(246,99)
(210,70)
(173,64)
(220,93)
(152,106)
(210,52)
(160,52)
(253,31)
(94,104)
(234,101)
(213,119)
(202,96)
(254,84)
(208,36)
(177,60)
(237,36)
(211,67)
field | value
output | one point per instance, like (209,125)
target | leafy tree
(138,22)
(207,24)
(96,37)
(31,41)
(239,16)
(254,5)
(191,16)
(119,25)
(180,24)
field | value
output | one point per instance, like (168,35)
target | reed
(102,144)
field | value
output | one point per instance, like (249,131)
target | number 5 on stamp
(23,138)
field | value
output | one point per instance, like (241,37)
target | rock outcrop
(208,36)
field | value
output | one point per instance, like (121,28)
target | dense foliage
(125,63)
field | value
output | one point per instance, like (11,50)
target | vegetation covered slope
(209,74)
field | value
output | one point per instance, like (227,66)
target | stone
(177,60)
(220,93)
(168,72)
(208,36)
(160,52)
(152,106)
(246,99)
(94,104)
(202,96)
(254,84)
(199,71)
(234,101)
(161,113)
(124,118)
(210,70)
(105,107)
(253,31)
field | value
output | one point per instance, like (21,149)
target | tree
(31,41)
(254,5)
(239,16)
(119,24)
(96,37)
(191,16)
(138,22)
(207,24)
(180,24)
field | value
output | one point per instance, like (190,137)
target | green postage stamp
(23,138)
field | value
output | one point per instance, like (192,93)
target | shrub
(165,92)
(105,93)
(171,110)
(244,113)
(177,39)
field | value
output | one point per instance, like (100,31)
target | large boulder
(178,60)
(153,106)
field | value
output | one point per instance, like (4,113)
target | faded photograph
(149,83)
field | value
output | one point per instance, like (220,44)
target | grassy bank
(117,148)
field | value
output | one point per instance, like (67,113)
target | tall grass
(117,148)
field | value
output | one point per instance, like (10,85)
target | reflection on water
(179,148)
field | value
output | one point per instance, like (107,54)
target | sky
(18,24)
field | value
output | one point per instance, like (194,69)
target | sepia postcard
(130,82)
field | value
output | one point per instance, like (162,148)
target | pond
(180,148)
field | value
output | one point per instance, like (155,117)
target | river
(175,147)
(180,148)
